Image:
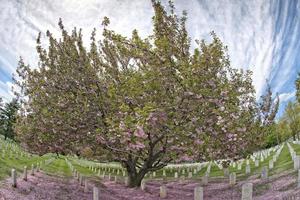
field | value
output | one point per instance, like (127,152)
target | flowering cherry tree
(142,102)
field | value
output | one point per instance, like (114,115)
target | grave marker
(14,178)
(198,193)
(247,191)
(163,192)
(232,178)
(25,173)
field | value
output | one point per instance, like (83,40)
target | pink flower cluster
(140,133)
(136,146)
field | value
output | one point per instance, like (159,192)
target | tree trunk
(137,171)
(135,176)
(135,179)
(226,172)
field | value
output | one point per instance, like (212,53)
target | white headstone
(195,171)
(298,185)
(247,191)
(256,163)
(239,166)
(96,193)
(264,173)
(14,178)
(81,180)
(232,178)
(181,180)
(274,158)
(271,164)
(126,181)
(226,171)
(297,162)
(86,189)
(205,179)
(176,175)
(25,173)
(37,167)
(198,193)
(248,169)
(143,185)
(163,192)
(32,170)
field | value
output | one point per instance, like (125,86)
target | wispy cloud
(5,91)
(246,27)
(284,97)
(261,35)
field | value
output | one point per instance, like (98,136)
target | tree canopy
(144,102)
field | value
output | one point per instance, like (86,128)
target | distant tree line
(288,125)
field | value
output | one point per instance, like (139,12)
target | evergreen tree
(8,114)
(266,111)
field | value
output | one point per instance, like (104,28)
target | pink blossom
(139,145)
(186,158)
(140,133)
(136,146)
(100,139)
(127,133)
(198,142)
(122,125)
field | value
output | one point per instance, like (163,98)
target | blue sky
(262,35)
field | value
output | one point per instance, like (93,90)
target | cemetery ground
(66,177)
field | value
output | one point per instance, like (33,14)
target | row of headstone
(102,172)
(83,181)
(25,173)
(294,156)
(247,192)
(11,150)
(258,157)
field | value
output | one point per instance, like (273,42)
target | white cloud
(5,91)
(284,97)
(247,27)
